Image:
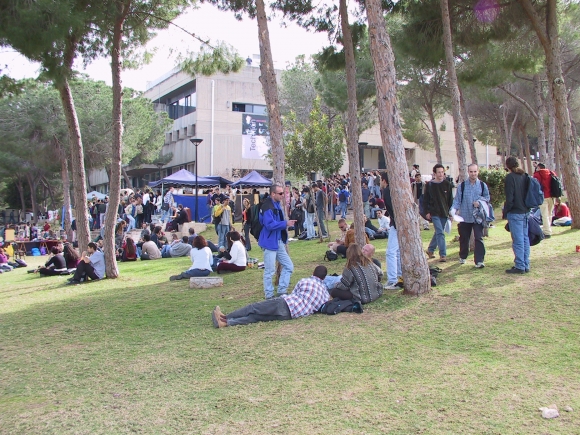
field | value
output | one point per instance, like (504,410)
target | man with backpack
(343,196)
(437,200)
(471,195)
(273,238)
(544,177)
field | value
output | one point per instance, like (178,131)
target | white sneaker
(462,261)
(480,265)
(391,287)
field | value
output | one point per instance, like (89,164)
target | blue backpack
(534,195)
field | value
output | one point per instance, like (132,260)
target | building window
(183,106)
(258,109)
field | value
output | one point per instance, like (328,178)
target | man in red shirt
(544,177)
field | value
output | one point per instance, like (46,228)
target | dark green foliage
(495,180)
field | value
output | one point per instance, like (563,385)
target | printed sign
(255,136)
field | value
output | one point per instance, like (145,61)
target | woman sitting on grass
(360,278)
(71,256)
(56,265)
(237,253)
(129,250)
(200,257)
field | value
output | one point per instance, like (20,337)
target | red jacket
(544,177)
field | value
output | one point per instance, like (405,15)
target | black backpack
(330,255)
(336,306)
(556,189)
(255,224)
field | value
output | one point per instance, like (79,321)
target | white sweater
(238,253)
(201,258)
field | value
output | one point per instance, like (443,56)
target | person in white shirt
(238,259)
(384,221)
(201,259)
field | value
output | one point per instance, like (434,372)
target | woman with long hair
(247,222)
(71,256)
(201,259)
(237,251)
(516,212)
(361,278)
(129,250)
(56,265)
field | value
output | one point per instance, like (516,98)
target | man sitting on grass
(306,298)
(92,265)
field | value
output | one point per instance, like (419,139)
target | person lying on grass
(306,298)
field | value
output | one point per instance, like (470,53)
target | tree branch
(179,27)
(520,100)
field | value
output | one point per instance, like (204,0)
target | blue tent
(220,180)
(253,179)
(184,178)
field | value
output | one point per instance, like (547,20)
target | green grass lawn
(479,355)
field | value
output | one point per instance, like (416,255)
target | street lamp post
(196,141)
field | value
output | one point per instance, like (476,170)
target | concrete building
(228,113)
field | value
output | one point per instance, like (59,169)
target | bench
(206,282)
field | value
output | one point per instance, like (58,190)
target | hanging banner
(255,136)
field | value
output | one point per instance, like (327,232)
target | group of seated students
(360,281)
(203,262)
(63,260)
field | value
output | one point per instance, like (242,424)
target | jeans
(367,210)
(393,257)
(165,251)
(321,227)
(247,227)
(310,234)
(264,311)
(330,281)
(334,211)
(520,240)
(465,229)
(131,225)
(165,215)
(192,273)
(222,231)
(438,239)
(285,261)
(370,232)
(341,208)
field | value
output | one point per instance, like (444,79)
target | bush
(495,180)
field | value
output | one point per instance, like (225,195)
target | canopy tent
(96,194)
(221,180)
(184,178)
(253,179)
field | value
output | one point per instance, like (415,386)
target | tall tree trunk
(540,115)
(470,140)
(414,263)
(66,198)
(551,142)
(127,179)
(548,35)
(455,95)
(77,163)
(521,149)
(502,147)
(111,268)
(434,133)
(352,147)
(527,150)
(33,184)
(270,87)
(20,186)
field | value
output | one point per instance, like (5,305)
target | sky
(207,22)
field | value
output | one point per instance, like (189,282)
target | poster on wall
(255,136)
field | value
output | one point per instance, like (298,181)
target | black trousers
(85,270)
(465,230)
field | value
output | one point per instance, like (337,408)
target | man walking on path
(272,240)
(437,199)
(472,194)
(544,177)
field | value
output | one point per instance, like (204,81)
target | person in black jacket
(437,198)
(56,265)
(516,212)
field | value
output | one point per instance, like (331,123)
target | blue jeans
(192,273)
(330,281)
(131,225)
(393,257)
(222,230)
(520,240)
(438,239)
(166,215)
(321,227)
(367,210)
(341,208)
(310,234)
(285,261)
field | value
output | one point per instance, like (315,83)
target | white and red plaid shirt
(307,297)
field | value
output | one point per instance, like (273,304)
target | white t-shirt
(201,259)
(145,198)
(384,223)
(238,253)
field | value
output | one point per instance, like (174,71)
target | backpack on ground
(255,223)
(330,255)
(534,195)
(556,189)
(336,306)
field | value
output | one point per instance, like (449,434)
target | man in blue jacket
(273,239)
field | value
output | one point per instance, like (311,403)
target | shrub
(495,180)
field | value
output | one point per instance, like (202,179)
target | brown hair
(355,257)
(199,242)
(512,164)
